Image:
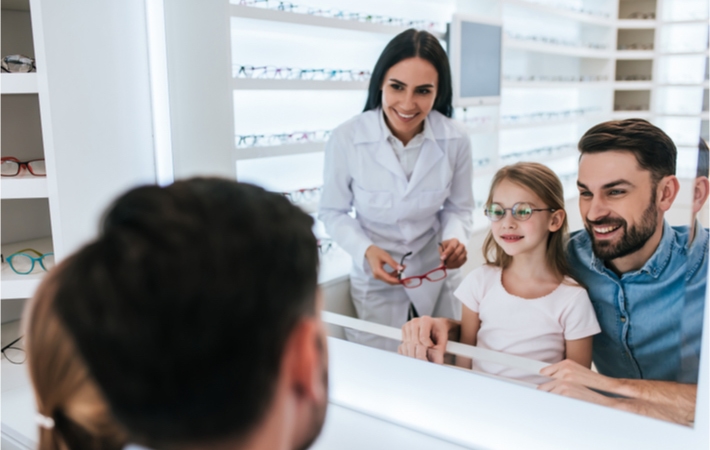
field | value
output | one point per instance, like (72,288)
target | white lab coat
(362,172)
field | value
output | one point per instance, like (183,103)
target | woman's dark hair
(410,44)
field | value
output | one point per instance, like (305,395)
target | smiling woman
(406,168)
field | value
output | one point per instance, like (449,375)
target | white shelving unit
(19,83)
(24,186)
(21,97)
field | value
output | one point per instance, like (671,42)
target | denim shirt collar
(655,264)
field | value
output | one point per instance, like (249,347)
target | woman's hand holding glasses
(377,258)
(453,253)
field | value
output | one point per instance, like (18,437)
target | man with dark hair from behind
(198,314)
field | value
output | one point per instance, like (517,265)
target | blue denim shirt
(640,311)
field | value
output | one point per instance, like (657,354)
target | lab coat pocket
(373,205)
(430,202)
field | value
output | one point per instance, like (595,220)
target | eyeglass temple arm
(401,263)
(11,344)
(30,250)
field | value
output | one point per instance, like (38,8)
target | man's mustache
(606,221)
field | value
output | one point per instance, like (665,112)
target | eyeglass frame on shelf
(40,257)
(19,163)
(10,346)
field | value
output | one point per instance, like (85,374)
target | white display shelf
(311,85)
(701,115)
(684,22)
(249,12)
(633,85)
(704,84)
(635,54)
(23,186)
(22,286)
(553,122)
(278,150)
(686,53)
(481,129)
(552,49)
(555,84)
(545,159)
(636,24)
(18,83)
(631,114)
(560,12)
(335,266)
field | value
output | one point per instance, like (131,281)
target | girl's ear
(556,221)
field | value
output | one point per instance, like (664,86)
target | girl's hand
(453,252)
(377,258)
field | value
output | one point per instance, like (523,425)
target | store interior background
(566,65)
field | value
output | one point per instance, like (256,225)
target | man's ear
(557,219)
(700,193)
(304,359)
(667,190)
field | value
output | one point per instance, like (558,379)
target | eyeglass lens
(520,211)
(15,355)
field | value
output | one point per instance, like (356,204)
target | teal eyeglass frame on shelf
(40,258)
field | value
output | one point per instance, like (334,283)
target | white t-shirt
(532,328)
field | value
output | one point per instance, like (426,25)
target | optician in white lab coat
(405,167)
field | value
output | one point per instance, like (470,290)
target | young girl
(523,302)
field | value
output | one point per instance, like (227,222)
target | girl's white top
(532,328)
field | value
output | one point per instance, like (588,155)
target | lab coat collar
(368,129)
(431,151)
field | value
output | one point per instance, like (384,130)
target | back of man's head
(653,149)
(183,306)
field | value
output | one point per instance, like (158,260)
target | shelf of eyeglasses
(18,83)
(635,46)
(555,84)
(278,150)
(549,118)
(590,16)
(554,45)
(245,141)
(15,285)
(295,84)
(24,185)
(331,18)
(540,154)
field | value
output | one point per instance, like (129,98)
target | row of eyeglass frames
(342,14)
(292,73)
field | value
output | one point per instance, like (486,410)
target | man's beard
(631,240)
(318,410)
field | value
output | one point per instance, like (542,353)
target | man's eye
(616,192)
(585,194)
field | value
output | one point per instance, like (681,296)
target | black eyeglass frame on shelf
(11,346)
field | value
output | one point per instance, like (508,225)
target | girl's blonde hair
(64,389)
(543,182)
